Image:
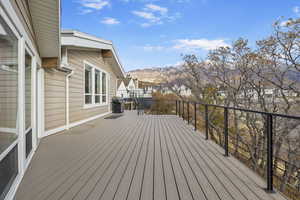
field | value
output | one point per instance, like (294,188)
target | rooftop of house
(126,81)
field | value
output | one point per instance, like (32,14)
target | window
(88,84)
(8,107)
(104,95)
(28,67)
(95,86)
(8,86)
(28,98)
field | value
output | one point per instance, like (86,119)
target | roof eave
(46,23)
(79,39)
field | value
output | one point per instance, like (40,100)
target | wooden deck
(137,157)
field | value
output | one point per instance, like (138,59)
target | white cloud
(286,23)
(296,9)
(156,8)
(204,44)
(155,15)
(88,6)
(153,48)
(86,11)
(146,15)
(110,21)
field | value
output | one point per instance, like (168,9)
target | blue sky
(155,33)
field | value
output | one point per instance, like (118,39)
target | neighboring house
(46,88)
(180,90)
(185,91)
(268,93)
(147,87)
(129,87)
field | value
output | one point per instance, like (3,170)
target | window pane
(97,82)
(88,80)
(103,83)
(97,99)
(88,99)
(9,171)
(28,68)
(28,146)
(104,99)
(8,86)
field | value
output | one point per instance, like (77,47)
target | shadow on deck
(137,157)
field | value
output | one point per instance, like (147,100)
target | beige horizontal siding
(76,59)
(113,87)
(55,99)
(55,88)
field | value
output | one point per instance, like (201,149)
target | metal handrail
(180,107)
(248,110)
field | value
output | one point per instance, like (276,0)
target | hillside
(155,75)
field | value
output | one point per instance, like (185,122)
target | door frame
(33,105)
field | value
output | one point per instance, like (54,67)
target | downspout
(69,72)
(68,99)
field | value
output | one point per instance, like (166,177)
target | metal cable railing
(253,137)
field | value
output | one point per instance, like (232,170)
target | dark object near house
(114,116)
(117,105)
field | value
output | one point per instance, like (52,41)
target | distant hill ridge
(161,75)
(155,75)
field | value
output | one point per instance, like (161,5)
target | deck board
(137,158)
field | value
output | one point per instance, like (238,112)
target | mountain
(161,75)
(155,75)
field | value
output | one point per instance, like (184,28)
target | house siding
(23,12)
(76,60)
(55,99)
(55,90)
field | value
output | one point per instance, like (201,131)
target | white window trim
(93,104)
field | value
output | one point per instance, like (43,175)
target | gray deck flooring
(137,157)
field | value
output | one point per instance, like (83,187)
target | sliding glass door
(8,108)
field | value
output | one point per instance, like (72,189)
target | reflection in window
(88,85)
(8,86)
(97,86)
(9,171)
(28,86)
(104,88)
(8,107)
(28,67)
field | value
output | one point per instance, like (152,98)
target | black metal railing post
(188,112)
(183,110)
(179,110)
(269,153)
(176,106)
(226,132)
(195,115)
(206,122)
